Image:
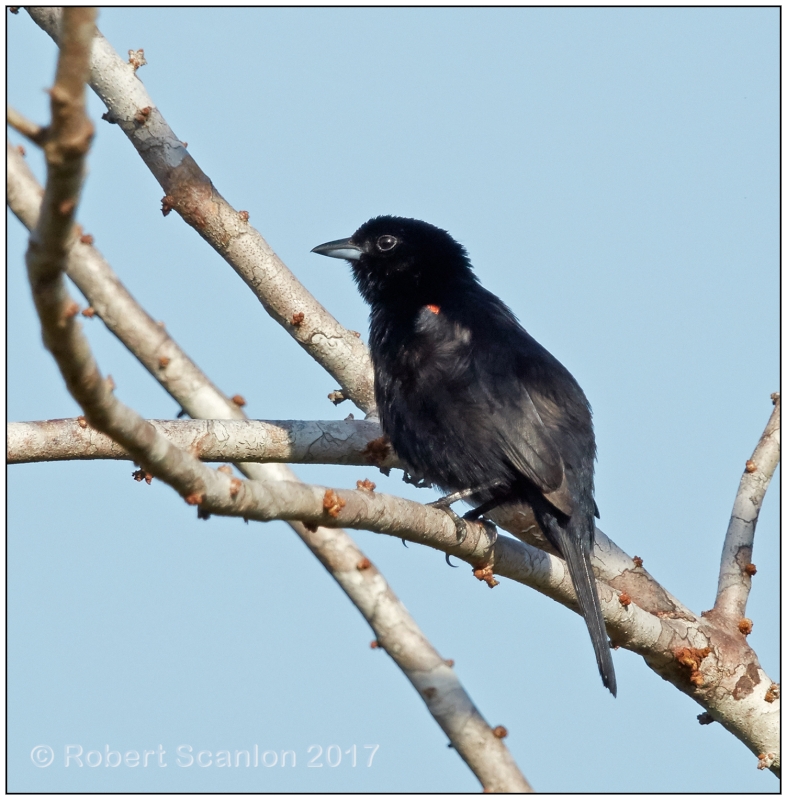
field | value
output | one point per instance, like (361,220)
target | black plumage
(470,400)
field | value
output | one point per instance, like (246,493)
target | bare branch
(433,678)
(349,442)
(189,191)
(395,629)
(736,568)
(29,129)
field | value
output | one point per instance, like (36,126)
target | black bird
(470,401)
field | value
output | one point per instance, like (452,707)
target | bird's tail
(575,549)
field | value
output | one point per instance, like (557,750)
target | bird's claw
(459,523)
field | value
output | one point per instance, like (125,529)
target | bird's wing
(526,443)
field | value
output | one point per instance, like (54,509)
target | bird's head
(396,258)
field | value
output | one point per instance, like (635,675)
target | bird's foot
(461,526)
(490,526)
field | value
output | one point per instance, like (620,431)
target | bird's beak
(341,248)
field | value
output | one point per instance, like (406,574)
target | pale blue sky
(614,174)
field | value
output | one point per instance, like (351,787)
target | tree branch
(348,442)
(736,569)
(29,129)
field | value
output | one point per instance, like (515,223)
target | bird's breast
(425,354)
(426,386)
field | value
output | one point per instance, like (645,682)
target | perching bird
(470,401)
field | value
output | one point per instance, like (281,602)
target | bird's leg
(452,498)
(493,502)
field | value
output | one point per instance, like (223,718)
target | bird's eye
(386,243)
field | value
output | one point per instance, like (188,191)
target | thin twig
(29,129)
(737,569)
